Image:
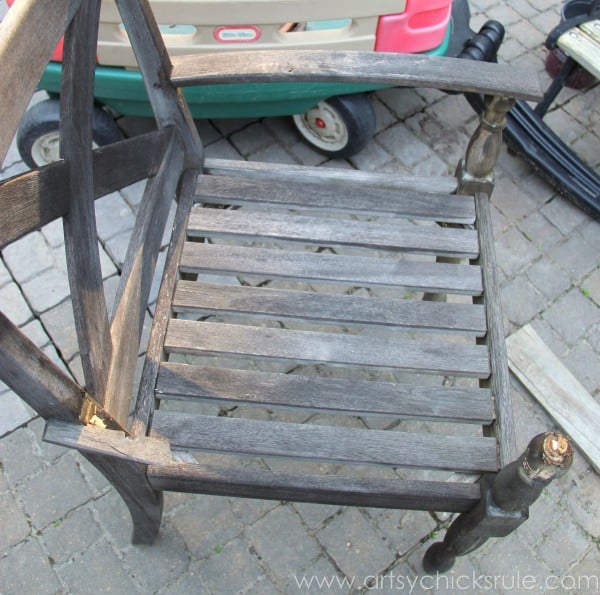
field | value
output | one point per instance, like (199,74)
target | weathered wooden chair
(315,320)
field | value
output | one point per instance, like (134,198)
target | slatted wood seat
(317,331)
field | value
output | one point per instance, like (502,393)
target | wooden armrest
(373,68)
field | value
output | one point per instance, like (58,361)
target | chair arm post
(475,172)
(505,500)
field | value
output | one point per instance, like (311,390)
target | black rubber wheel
(340,126)
(38,135)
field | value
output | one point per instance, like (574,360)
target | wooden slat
(557,390)
(283,172)
(81,243)
(322,489)
(373,68)
(28,35)
(136,279)
(499,381)
(348,270)
(167,102)
(334,395)
(33,199)
(31,374)
(324,231)
(121,164)
(184,336)
(279,304)
(337,196)
(144,404)
(325,443)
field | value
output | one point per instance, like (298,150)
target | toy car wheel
(38,135)
(340,126)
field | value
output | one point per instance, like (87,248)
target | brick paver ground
(63,529)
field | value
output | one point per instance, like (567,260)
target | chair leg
(505,500)
(145,504)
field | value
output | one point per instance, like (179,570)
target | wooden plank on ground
(326,443)
(557,390)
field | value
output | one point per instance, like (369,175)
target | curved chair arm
(374,68)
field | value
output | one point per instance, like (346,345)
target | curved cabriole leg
(505,500)
(145,504)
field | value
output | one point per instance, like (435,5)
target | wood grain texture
(283,172)
(499,380)
(33,199)
(144,403)
(323,489)
(347,270)
(334,395)
(333,232)
(325,443)
(557,390)
(81,243)
(286,304)
(28,35)
(131,300)
(339,195)
(145,503)
(373,68)
(184,336)
(111,443)
(167,102)
(31,374)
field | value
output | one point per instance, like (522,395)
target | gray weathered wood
(333,232)
(341,195)
(282,172)
(279,304)
(324,489)
(111,443)
(144,403)
(348,270)
(335,395)
(131,300)
(28,36)
(557,390)
(29,372)
(436,356)
(373,68)
(326,443)
(30,200)
(167,102)
(81,244)
(499,381)
(145,504)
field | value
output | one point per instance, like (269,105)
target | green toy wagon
(336,118)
